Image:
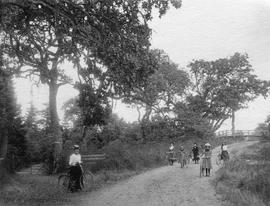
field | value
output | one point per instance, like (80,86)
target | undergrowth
(245,181)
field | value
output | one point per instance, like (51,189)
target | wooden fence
(237,133)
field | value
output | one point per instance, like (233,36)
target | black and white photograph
(134,102)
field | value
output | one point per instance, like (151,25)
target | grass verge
(245,181)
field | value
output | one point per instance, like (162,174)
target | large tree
(222,87)
(3,113)
(111,37)
(162,90)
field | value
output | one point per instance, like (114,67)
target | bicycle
(66,182)
(201,166)
(222,158)
(219,161)
(170,157)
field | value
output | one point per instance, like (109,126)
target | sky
(208,30)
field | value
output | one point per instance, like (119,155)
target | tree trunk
(3,146)
(233,123)
(84,140)
(3,124)
(54,127)
(3,154)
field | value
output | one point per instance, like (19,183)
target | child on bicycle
(75,169)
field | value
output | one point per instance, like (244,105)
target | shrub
(242,183)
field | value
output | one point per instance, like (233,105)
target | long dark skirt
(225,155)
(75,176)
(196,156)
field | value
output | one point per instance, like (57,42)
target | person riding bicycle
(75,169)
(224,152)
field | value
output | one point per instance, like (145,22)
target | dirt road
(169,185)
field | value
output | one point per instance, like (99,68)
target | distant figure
(189,157)
(224,152)
(206,159)
(195,150)
(171,154)
(75,169)
(171,148)
(182,157)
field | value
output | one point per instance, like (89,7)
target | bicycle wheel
(87,179)
(64,181)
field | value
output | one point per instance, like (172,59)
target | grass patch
(246,181)
(32,190)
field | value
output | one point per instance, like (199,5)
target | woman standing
(171,148)
(195,151)
(171,154)
(224,152)
(182,157)
(206,159)
(75,169)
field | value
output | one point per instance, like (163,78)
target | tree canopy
(110,36)
(167,85)
(106,40)
(223,86)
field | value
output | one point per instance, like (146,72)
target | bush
(244,183)
(132,157)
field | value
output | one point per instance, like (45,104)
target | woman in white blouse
(224,152)
(75,161)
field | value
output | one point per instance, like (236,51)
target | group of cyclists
(76,170)
(205,154)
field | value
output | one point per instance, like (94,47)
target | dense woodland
(108,43)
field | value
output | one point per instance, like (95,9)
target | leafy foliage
(223,86)
(107,41)
(190,123)
(264,128)
(13,142)
(72,115)
(95,108)
(162,90)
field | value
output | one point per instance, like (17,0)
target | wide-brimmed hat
(208,145)
(76,146)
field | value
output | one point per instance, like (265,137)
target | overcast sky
(202,29)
